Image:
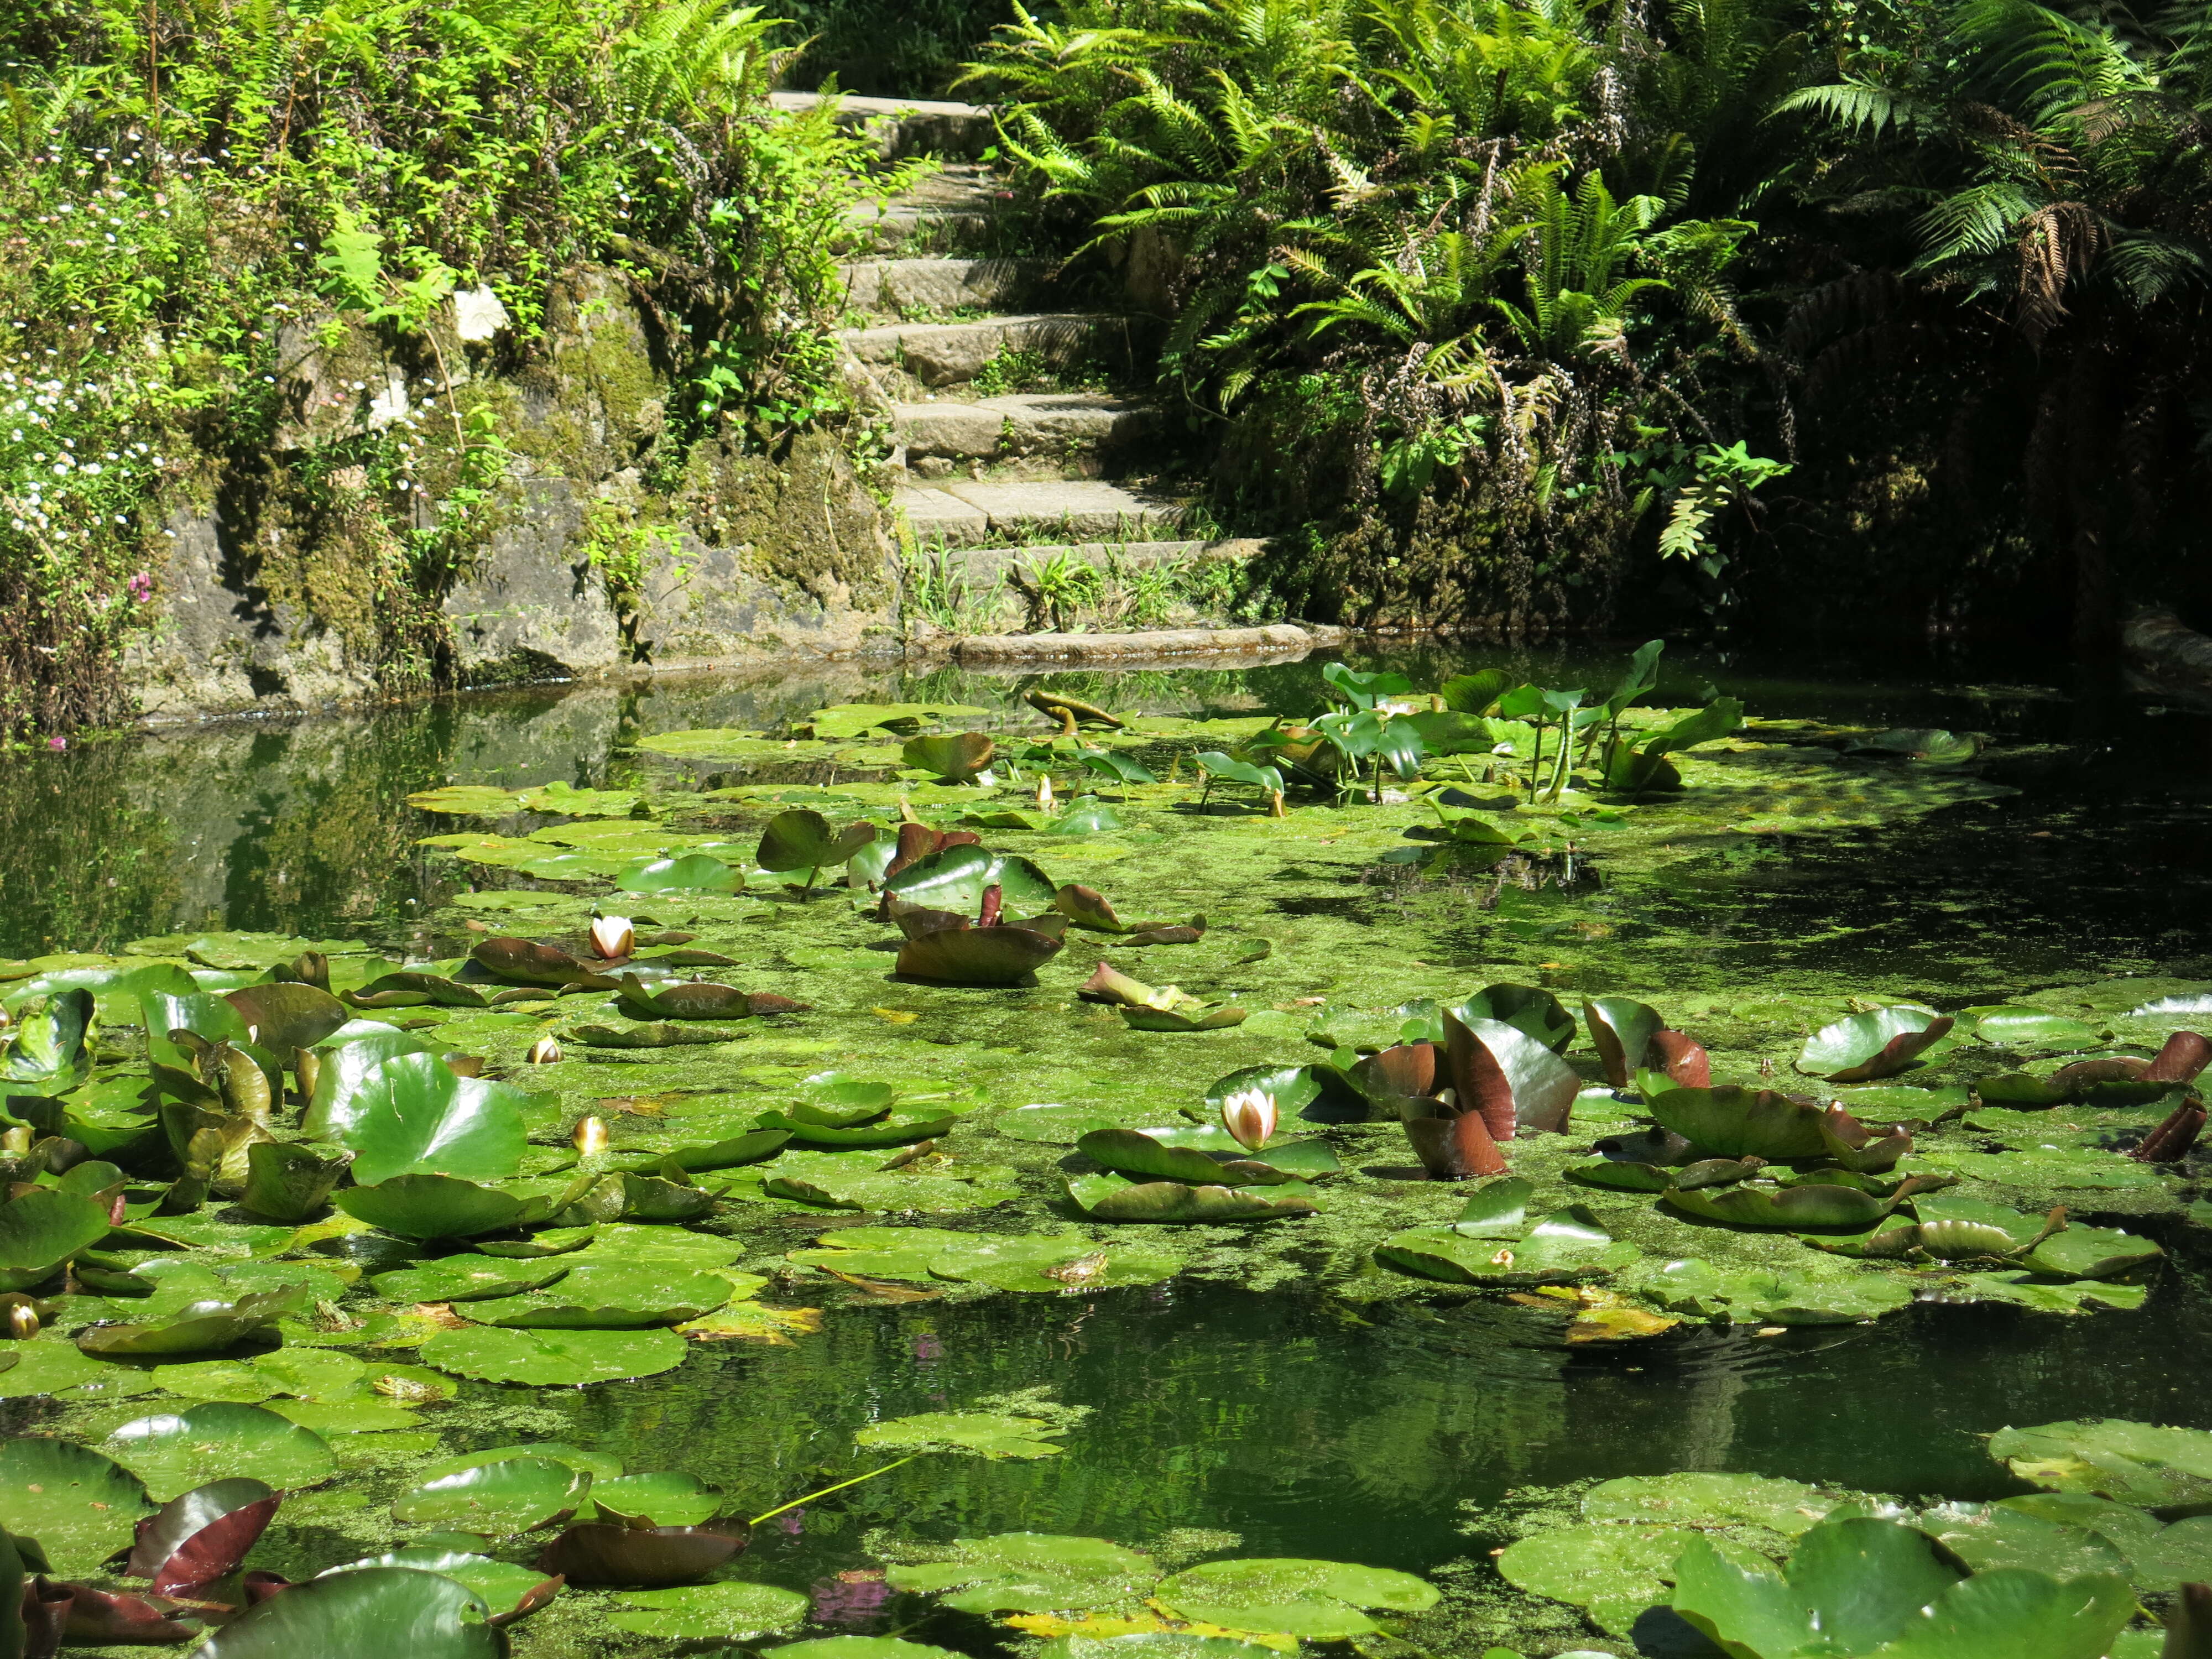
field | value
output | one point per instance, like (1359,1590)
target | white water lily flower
(544,1052)
(591,1135)
(1044,794)
(1248,1114)
(613,937)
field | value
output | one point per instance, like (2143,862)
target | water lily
(544,1052)
(1044,794)
(591,1135)
(613,938)
(1248,1114)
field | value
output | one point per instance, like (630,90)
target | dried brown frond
(2056,243)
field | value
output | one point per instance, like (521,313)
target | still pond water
(1381,1435)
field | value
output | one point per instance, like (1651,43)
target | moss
(801,514)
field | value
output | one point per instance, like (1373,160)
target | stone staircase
(1021,429)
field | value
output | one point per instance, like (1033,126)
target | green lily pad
(668,1497)
(394,1610)
(2009,1027)
(1882,1043)
(955,878)
(824,1180)
(2086,1169)
(554,1359)
(1731,1121)
(1567,1244)
(501,1585)
(1616,1572)
(53,1365)
(600,1466)
(413,1114)
(199,1326)
(516,1494)
(423,1206)
(1989,1536)
(2078,1252)
(2154,1468)
(687,873)
(884,1252)
(1032,1573)
(1270,1583)
(1760,1296)
(43,1229)
(1051,1126)
(1689,1498)
(990,1435)
(1200,1155)
(1818,1204)
(958,756)
(862,1647)
(174,1453)
(607,1296)
(1050,1266)
(81,1507)
(468,1279)
(731,1611)
(1116,1198)
(844,720)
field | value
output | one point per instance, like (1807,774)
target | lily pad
(394,1610)
(608,1296)
(1116,1198)
(174,1453)
(2154,1468)
(666,1497)
(515,1494)
(1877,1044)
(730,1611)
(989,1435)
(505,1588)
(468,1279)
(81,1507)
(442,1206)
(1732,1121)
(1566,1245)
(553,1358)
(43,1229)
(958,756)
(1032,1573)
(1050,1266)
(1697,1499)
(1615,1571)
(413,1114)
(955,878)
(687,873)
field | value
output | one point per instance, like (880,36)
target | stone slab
(902,287)
(932,515)
(1084,509)
(948,353)
(1286,641)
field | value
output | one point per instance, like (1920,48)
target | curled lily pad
(512,1495)
(202,1327)
(1877,1044)
(42,1228)
(896,1129)
(958,756)
(1816,1204)
(1184,1018)
(80,1506)
(525,962)
(1621,1030)
(201,1535)
(48,1044)
(412,990)
(755,1147)
(955,876)
(1116,1198)
(1201,1155)
(1732,1121)
(171,1453)
(414,1114)
(965,954)
(697,999)
(600,1553)
(555,1358)
(649,1036)
(802,839)
(1512,1079)
(442,1207)
(290,1181)
(394,1610)
(284,1018)
(735,1611)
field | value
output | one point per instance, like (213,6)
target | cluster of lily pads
(76,1522)
(1767,1568)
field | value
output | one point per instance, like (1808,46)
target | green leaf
(986,1434)
(955,877)
(692,872)
(415,1115)
(802,839)
(1116,1198)
(1882,1043)
(735,1611)
(557,1359)
(174,1453)
(512,1495)
(426,1207)
(1616,1572)
(81,1507)
(382,1610)
(958,756)
(2157,1468)
(43,1229)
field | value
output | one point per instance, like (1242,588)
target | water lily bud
(591,1135)
(16,1142)
(307,1067)
(1044,794)
(544,1052)
(613,938)
(1248,1114)
(22,1321)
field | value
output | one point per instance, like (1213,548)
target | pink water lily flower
(1248,1114)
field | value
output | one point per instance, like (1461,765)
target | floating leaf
(382,1610)
(2166,1470)
(201,1535)
(560,1359)
(80,1506)
(426,1207)
(1115,1198)
(171,1453)
(42,1228)
(692,872)
(958,756)
(732,1611)
(956,877)
(993,1435)
(514,1494)
(1878,1044)
(599,1552)
(413,1114)
(1562,1247)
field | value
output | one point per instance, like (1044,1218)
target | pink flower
(57,744)
(142,587)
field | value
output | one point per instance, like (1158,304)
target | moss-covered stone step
(918,290)
(953,206)
(904,126)
(1077,426)
(963,514)
(953,354)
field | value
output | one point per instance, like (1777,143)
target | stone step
(903,287)
(950,353)
(964,514)
(904,126)
(955,204)
(1022,424)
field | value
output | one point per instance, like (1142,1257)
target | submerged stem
(826,1490)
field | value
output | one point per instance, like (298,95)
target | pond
(1266,1391)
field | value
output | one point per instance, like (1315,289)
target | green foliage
(192,202)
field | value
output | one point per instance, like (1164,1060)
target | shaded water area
(1396,1434)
